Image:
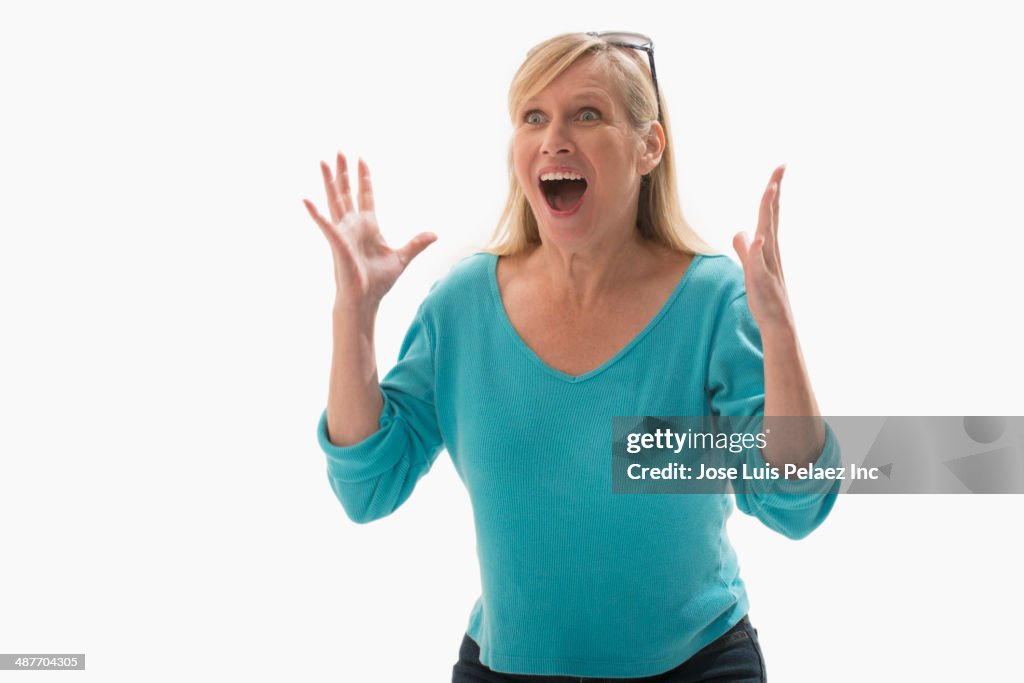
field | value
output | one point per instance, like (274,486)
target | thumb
(414,246)
(741,243)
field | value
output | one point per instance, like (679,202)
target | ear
(654,147)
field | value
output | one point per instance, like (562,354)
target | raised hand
(762,265)
(365,267)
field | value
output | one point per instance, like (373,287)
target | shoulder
(466,285)
(723,297)
(717,279)
(713,299)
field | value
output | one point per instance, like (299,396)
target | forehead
(587,78)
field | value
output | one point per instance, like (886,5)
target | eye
(533,117)
(590,115)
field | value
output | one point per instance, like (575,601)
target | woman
(595,301)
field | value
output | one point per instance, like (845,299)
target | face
(579,161)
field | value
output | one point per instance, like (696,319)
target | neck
(580,277)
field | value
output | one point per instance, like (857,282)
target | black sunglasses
(635,41)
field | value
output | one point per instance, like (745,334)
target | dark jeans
(733,658)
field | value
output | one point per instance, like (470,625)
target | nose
(556,140)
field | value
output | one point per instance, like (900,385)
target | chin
(566,234)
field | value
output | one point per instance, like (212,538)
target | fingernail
(775,188)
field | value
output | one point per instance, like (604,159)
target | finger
(320,220)
(414,246)
(343,185)
(781,170)
(365,188)
(765,223)
(333,196)
(758,254)
(741,243)
(338,244)
(769,196)
(764,213)
(775,219)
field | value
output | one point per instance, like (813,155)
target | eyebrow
(580,96)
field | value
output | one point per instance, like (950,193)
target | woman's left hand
(762,266)
(787,388)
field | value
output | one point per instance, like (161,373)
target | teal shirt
(577,580)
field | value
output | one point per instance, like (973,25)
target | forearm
(798,436)
(354,402)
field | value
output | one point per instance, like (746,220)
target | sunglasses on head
(635,41)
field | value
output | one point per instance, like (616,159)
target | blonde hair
(659,214)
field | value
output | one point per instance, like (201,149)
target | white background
(166,301)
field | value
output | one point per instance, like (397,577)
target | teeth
(561,175)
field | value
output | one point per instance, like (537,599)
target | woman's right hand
(365,267)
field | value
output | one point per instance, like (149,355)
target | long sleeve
(791,507)
(375,476)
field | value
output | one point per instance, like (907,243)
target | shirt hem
(590,668)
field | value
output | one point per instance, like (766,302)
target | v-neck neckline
(506,322)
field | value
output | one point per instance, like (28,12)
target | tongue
(565,194)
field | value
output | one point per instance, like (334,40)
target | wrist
(781,334)
(354,323)
(353,307)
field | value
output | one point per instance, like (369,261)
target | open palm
(762,265)
(365,267)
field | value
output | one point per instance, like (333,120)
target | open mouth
(563,191)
